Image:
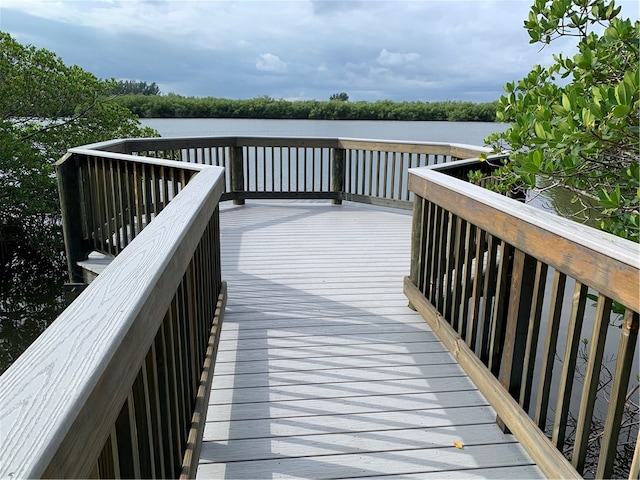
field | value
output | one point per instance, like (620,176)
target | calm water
(472,133)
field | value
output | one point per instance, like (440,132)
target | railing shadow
(409,376)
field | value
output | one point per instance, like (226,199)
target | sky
(400,50)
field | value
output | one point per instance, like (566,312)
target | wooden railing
(486,271)
(369,171)
(116,386)
(135,350)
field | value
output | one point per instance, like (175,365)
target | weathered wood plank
(331,443)
(376,463)
(323,363)
(219,412)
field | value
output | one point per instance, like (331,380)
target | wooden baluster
(449,273)
(440,258)
(142,421)
(177,385)
(157,422)
(417,242)
(167,398)
(457,277)
(549,349)
(68,175)
(501,302)
(430,214)
(338,174)
(476,294)
(519,304)
(618,395)
(532,334)
(569,364)
(591,382)
(237,173)
(468,250)
(488,294)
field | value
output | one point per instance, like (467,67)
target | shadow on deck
(324,372)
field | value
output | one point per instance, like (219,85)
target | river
(472,133)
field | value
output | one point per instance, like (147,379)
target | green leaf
(620,111)
(623,93)
(540,130)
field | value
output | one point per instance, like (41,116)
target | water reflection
(565,203)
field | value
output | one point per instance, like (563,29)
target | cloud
(391,59)
(271,63)
(397,50)
(334,7)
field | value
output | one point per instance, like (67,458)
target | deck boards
(323,370)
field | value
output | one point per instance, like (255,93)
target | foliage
(133,87)
(628,433)
(576,122)
(45,108)
(340,97)
(177,106)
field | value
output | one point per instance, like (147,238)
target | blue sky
(425,50)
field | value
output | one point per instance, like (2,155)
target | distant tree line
(134,87)
(337,108)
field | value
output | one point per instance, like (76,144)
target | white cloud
(394,49)
(271,63)
(392,59)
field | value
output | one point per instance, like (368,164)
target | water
(471,133)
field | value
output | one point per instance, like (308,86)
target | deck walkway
(323,370)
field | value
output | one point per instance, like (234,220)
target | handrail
(129,350)
(480,264)
(361,170)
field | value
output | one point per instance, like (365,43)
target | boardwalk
(323,370)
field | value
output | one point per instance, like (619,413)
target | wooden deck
(323,370)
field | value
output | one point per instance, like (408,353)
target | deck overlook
(324,372)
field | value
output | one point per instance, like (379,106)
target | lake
(471,133)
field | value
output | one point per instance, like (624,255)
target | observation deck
(243,330)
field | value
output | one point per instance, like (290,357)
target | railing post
(519,305)
(337,174)
(237,173)
(67,172)
(417,228)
